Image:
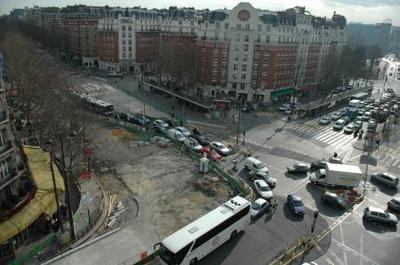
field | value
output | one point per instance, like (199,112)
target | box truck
(337,175)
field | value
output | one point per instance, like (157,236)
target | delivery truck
(348,176)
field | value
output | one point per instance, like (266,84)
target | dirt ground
(166,180)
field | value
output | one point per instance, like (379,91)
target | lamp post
(316,213)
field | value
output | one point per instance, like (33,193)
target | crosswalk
(322,133)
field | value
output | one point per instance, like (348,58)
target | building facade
(241,53)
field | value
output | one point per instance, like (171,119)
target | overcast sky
(366,11)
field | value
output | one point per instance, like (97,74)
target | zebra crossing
(323,134)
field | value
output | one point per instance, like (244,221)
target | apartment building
(258,56)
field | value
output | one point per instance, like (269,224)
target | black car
(319,164)
(298,168)
(394,205)
(334,200)
(120,115)
(201,139)
(295,204)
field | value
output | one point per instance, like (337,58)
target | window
(130,28)
(130,35)
(247,26)
(130,42)
(226,25)
(246,37)
(217,25)
(245,57)
(243,76)
(237,46)
(258,38)
(235,66)
(234,85)
(268,28)
(123,35)
(245,47)
(221,227)
(234,76)
(130,48)
(123,28)
(244,67)
(259,27)
(236,57)
(238,26)
(242,86)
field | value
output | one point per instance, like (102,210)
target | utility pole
(144,94)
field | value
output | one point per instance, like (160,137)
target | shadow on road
(217,257)
(384,189)
(296,175)
(316,194)
(378,227)
(370,160)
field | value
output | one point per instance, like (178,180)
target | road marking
(296,187)
(342,240)
(346,157)
(355,252)
(361,248)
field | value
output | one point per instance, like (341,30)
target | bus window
(171,258)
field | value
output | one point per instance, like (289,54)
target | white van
(176,135)
(255,165)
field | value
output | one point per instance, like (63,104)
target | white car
(339,125)
(193,144)
(220,148)
(160,124)
(184,131)
(349,128)
(255,165)
(176,135)
(380,215)
(284,107)
(263,189)
(258,208)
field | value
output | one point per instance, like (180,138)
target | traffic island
(366,147)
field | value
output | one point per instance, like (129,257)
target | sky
(365,11)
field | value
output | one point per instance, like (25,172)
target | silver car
(379,215)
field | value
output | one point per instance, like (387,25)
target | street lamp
(316,213)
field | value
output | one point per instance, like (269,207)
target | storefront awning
(283,92)
(43,201)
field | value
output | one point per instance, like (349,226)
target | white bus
(196,240)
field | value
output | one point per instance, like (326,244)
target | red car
(211,154)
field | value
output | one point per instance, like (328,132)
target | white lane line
(394,164)
(342,241)
(321,134)
(345,143)
(346,157)
(328,136)
(334,139)
(354,251)
(361,248)
(340,141)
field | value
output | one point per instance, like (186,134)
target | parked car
(386,179)
(394,205)
(138,119)
(258,208)
(366,116)
(263,189)
(349,129)
(211,154)
(193,144)
(379,215)
(220,148)
(184,131)
(160,124)
(334,200)
(324,120)
(298,168)
(176,135)
(319,164)
(339,124)
(201,139)
(295,204)
(255,165)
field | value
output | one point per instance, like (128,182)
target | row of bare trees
(55,120)
(351,64)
